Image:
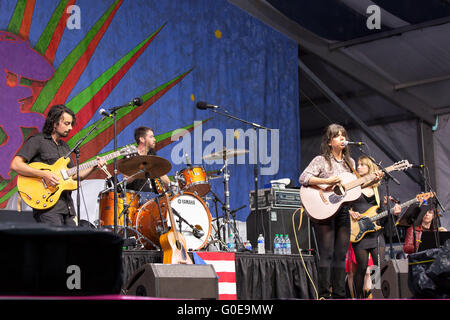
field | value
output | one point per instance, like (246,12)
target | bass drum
(189,206)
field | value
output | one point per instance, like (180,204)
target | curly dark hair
(53,116)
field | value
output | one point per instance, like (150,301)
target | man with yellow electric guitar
(44,182)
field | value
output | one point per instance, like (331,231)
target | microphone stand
(76,150)
(255,166)
(113,111)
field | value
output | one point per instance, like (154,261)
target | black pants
(55,219)
(333,238)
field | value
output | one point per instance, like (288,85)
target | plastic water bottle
(276,244)
(288,244)
(231,245)
(282,245)
(261,244)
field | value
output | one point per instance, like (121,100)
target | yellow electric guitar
(38,195)
(366,223)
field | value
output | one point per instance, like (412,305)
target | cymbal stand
(226,185)
(219,227)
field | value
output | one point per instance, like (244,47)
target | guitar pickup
(64,174)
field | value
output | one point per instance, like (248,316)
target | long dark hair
(53,116)
(330,132)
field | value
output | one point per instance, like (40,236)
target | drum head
(192,209)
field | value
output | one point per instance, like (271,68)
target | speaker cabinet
(37,259)
(274,220)
(394,280)
(181,281)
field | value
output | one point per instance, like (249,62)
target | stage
(258,277)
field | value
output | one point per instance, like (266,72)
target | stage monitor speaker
(37,259)
(394,280)
(274,220)
(180,281)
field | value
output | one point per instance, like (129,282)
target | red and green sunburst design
(67,75)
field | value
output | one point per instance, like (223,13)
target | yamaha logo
(184,201)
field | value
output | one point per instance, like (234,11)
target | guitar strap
(351,167)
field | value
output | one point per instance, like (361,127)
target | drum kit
(145,221)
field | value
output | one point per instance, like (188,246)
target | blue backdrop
(236,62)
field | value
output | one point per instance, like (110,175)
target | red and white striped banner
(224,265)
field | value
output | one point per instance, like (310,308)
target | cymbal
(154,165)
(225,154)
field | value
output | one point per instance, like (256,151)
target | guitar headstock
(401,165)
(129,149)
(421,197)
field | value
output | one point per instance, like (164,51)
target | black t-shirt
(42,148)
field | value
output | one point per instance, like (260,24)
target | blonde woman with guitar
(333,233)
(372,243)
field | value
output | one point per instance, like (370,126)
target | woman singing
(333,234)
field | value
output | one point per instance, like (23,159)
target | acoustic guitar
(366,223)
(38,195)
(323,201)
(173,242)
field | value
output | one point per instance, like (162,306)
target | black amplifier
(275,198)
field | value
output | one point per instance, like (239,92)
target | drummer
(146,143)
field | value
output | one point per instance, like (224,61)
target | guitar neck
(363,180)
(386,212)
(92,163)
(172,220)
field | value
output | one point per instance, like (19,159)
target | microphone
(418,166)
(203,105)
(357,143)
(135,102)
(105,113)
(197,232)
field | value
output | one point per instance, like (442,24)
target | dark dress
(370,239)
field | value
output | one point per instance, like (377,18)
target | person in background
(426,225)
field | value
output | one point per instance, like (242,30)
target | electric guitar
(365,224)
(173,242)
(38,195)
(323,201)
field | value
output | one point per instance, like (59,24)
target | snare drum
(106,208)
(194,179)
(189,206)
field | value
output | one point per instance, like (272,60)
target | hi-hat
(225,154)
(153,165)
